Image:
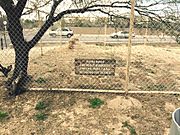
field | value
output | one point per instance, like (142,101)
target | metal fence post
(131,29)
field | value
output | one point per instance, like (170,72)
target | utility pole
(131,29)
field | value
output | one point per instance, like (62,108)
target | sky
(67,3)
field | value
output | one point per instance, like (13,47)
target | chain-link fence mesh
(79,50)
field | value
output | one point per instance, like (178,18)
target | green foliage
(40,80)
(99,22)
(119,22)
(41,116)
(79,22)
(95,102)
(3,115)
(131,128)
(29,23)
(40,105)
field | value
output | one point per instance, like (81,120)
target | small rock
(23,121)
(54,112)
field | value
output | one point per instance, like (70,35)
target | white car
(62,32)
(121,34)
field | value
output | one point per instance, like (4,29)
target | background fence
(154,55)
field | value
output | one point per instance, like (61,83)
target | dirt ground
(152,67)
(69,113)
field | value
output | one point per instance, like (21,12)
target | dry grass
(150,66)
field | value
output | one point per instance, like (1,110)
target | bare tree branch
(31,9)
(40,33)
(160,2)
(53,9)
(52,19)
(110,14)
(88,9)
(7,6)
(121,2)
(20,7)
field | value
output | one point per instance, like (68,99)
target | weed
(40,80)
(131,128)
(95,102)
(41,116)
(3,115)
(40,105)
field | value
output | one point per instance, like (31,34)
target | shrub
(95,102)
(129,127)
(41,116)
(40,105)
(3,115)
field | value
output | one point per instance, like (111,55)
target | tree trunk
(17,83)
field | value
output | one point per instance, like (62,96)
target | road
(102,38)
(108,39)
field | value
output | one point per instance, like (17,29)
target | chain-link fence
(94,51)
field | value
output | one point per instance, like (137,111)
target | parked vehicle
(67,32)
(121,34)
